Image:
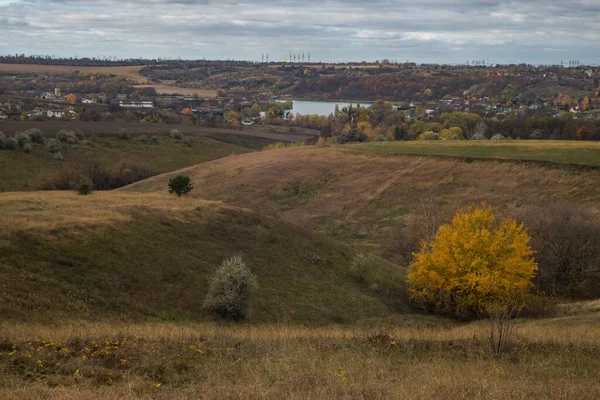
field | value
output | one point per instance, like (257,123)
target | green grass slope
(144,256)
(20,171)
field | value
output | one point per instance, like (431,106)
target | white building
(55,113)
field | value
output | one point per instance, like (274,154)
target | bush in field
(36,136)
(123,135)
(22,138)
(27,147)
(177,134)
(331,141)
(355,135)
(180,185)
(58,156)
(143,138)
(230,290)
(474,266)
(479,136)
(429,135)
(535,135)
(359,269)
(566,241)
(66,136)
(154,140)
(188,142)
(53,146)
(2,141)
(497,136)
(11,144)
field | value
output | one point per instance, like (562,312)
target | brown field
(326,189)
(112,128)
(167,89)
(129,72)
(404,358)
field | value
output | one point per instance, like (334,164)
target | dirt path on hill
(383,188)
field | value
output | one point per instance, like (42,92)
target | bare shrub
(53,146)
(360,267)
(36,136)
(123,134)
(567,244)
(177,134)
(66,136)
(154,140)
(22,138)
(129,172)
(11,144)
(230,290)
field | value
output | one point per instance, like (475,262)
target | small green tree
(181,185)
(230,290)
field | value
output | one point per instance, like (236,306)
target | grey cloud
(535,31)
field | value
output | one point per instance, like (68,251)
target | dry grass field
(571,152)
(408,357)
(319,188)
(269,133)
(129,72)
(101,295)
(168,89)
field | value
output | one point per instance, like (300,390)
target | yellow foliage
(473,265)
(454,133)
(71,98)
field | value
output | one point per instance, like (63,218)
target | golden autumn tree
(474,266)
(71,98)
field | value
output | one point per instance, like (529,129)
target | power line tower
(262,58)
(290,57)
(303,58)
(309,58)
(267,58)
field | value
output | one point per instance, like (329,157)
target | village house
(55,113)
(37,112)
(3,116)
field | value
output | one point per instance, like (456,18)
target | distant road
(112,128)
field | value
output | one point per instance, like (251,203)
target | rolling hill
(364,199)
(149,256)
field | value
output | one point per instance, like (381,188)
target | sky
(438,31)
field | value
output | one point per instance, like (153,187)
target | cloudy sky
(533,31)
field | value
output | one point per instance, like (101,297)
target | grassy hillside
(403,358)
(365,199)
(144,256)
(587,153)
(20,171)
